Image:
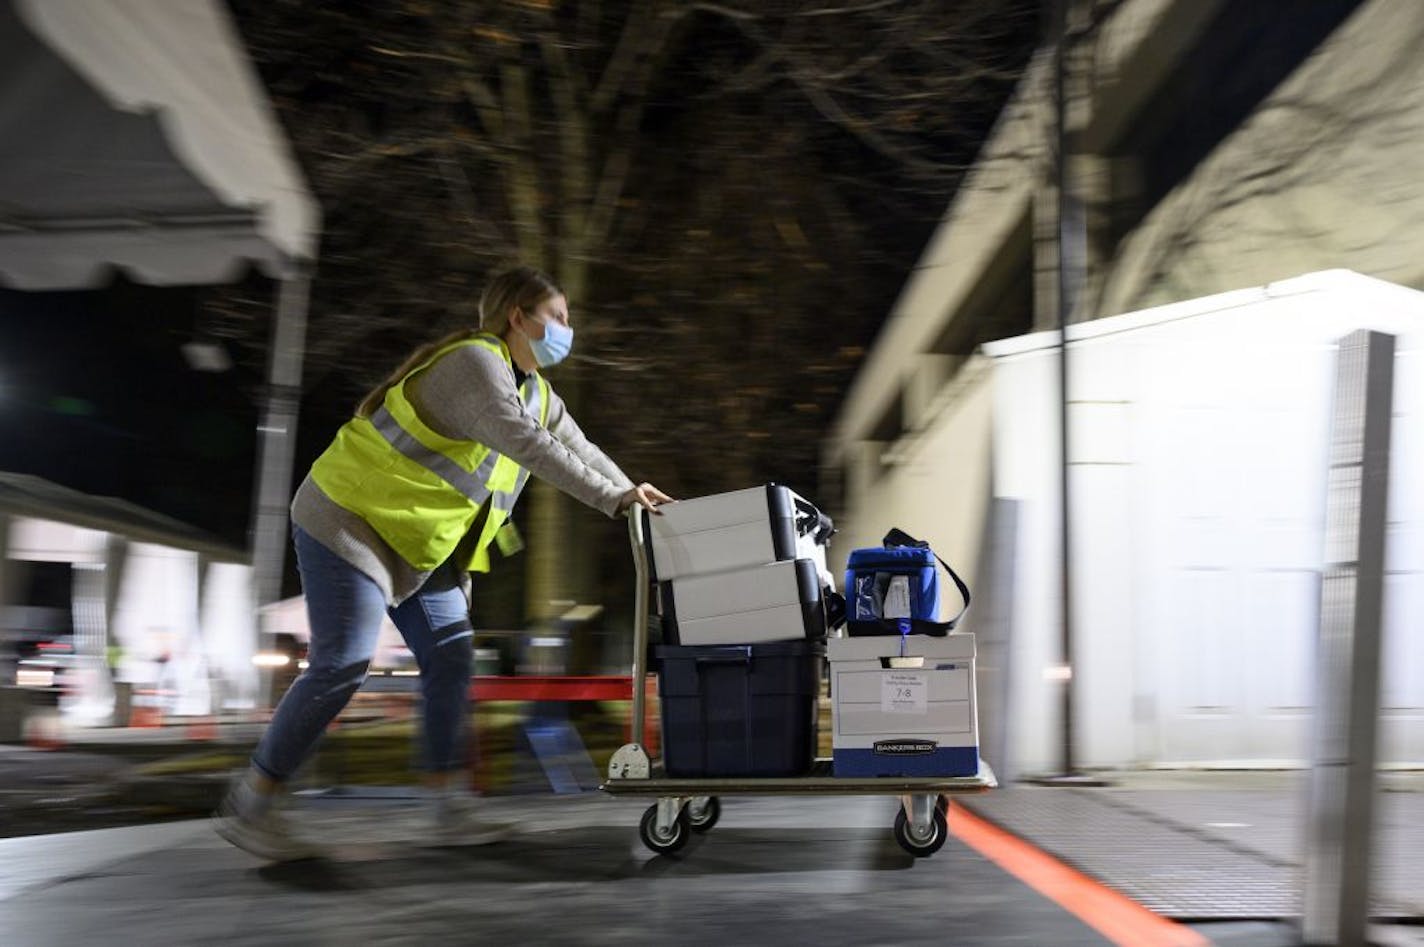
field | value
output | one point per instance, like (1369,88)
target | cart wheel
(921,847)
(702,818)
(942,804)
(664,844)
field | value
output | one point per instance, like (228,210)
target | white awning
(135,134)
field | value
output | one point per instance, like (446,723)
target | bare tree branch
(838,11)
(574,163)
(634,43)
(634,75)
(486,105)
(693,165)
(408,54)
(523,186)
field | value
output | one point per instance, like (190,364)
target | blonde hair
(517,287)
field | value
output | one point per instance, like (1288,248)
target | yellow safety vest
(421,491)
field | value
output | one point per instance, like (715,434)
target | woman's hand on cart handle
(645,495)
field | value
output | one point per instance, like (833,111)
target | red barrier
(572,688)
(491,687)
(538,687)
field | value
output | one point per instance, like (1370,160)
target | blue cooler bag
(894,589)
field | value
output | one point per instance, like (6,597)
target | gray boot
(460,818)
(253,822)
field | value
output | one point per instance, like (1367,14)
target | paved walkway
(1210,845)
(775,871)
(1221,851)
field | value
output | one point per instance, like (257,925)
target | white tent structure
(137,138)
(157,602)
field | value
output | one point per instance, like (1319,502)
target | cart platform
(818,781)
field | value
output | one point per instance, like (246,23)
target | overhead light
(206,357)
(582,613)
(271,659)
(34,677)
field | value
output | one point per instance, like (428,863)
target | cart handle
(640,619)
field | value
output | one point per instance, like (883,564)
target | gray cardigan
(469,394)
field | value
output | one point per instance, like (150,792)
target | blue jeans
(344,609)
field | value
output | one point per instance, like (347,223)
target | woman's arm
(469,394)
(563,426)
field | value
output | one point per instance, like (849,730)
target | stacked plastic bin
(742,581)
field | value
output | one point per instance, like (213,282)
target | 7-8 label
(904,692)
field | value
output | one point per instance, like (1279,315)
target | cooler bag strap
(898,537)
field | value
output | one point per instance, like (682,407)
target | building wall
(1328,173)
(1324,173)
(1199,526)
(935,487)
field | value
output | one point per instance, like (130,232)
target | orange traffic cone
(44,730)
(145,711)
(203,727)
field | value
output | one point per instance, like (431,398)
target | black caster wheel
(702,819)
(933,839)
(675,838)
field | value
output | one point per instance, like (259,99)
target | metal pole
(1072,257)
(276,434)
(1342,782)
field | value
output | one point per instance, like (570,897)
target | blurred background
(731,200)
(884,253)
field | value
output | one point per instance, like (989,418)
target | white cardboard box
(779,601)
(914,714)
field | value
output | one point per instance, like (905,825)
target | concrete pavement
(773,872)
(1215,847)
(1218,850)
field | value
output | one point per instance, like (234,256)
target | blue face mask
(554,347)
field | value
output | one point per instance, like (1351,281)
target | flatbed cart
(685,806)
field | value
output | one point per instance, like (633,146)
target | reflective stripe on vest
(472,484)
(422,491)
(518,487)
